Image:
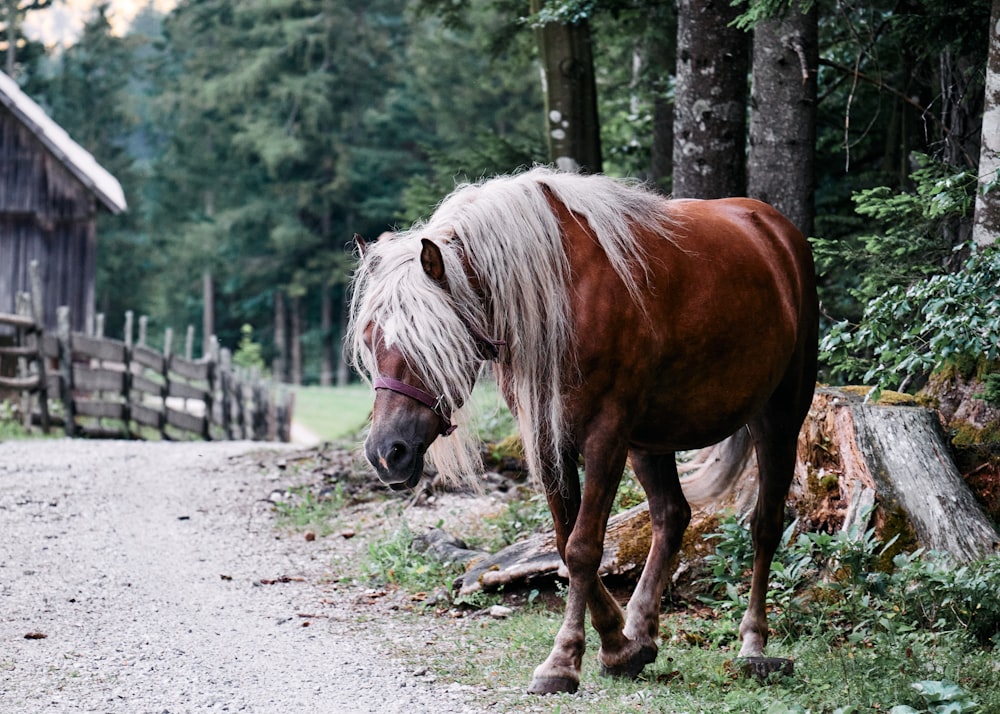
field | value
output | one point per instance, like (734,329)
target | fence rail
(99,387)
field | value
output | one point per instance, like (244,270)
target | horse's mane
(503,233)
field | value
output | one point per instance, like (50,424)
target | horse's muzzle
(399,465)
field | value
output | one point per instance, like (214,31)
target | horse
(621,326)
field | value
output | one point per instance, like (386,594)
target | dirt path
(142,565)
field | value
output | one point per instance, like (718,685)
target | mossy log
(859,465)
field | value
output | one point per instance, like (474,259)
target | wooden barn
(51,190)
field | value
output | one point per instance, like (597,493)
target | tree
(12,14)
(987,215)
(780,163)
(92,95)
(567,63)
(710,104)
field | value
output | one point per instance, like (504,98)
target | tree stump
(859,465)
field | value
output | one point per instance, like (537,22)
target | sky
(62,23)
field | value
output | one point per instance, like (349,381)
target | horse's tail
(714,471)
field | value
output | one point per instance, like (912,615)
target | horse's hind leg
(775,432)
(669,516)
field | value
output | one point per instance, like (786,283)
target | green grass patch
(305,510)
(333,413)
(920,638)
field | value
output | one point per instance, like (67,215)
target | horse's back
(731,305)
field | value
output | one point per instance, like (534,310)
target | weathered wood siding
(48,215)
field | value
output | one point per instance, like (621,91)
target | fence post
(240,389)
(66,368)
(143,322)
(128,328)
(212,366)
(189,343)
(225,392)
(168,340)
(38,315)
(99,325)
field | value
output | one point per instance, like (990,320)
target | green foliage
(939,698)
(11,426)
(832,584)
(249,354)
(910,240)
(306,510)
(915,329)
(518,520)
(923,305)
(394,561)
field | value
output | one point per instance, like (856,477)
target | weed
(306,510)
(393,561)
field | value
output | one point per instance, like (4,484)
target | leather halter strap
(435,404)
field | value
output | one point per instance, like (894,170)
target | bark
(343,369)
(859,465)
(295,343)
(663,57)
(711,92)
(208,311)
(986,225)
(278,364)
(326,330)
(570,90)
(780,166)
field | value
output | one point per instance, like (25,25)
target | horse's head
(406,417)
(422,355)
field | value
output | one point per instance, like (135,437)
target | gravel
(149,577)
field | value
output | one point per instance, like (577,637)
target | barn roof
(78,160)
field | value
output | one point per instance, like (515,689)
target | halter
(435,404)
(490,350)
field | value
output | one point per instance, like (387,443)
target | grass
(921,639)
(333,413)
(306,511)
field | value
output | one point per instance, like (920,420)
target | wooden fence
(105,388)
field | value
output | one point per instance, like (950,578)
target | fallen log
(859,465)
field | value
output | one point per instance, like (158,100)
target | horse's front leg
(582,552)
(669,516)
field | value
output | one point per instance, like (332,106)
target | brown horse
(620,325)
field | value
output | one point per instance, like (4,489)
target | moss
(510,447)
(635,540)
(694,545)
(886,398)
(895,523)
(967,436)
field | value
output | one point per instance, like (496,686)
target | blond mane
(503,233)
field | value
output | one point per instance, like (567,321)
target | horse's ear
(360,244)
(432,261)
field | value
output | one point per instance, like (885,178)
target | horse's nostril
(398,453)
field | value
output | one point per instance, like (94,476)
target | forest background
(255,137)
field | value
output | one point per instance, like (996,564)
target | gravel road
(147,577)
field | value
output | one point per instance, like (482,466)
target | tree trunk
(295,343)
(568,81)
(280,360)
(986,226)
(343,369)
(208,311)
(780,166)
(859,464)
(326,332)
(710,97)
(663,57)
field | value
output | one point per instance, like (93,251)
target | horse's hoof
(631,667)
(553,685)
(763,667)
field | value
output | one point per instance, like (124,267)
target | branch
(924,111)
